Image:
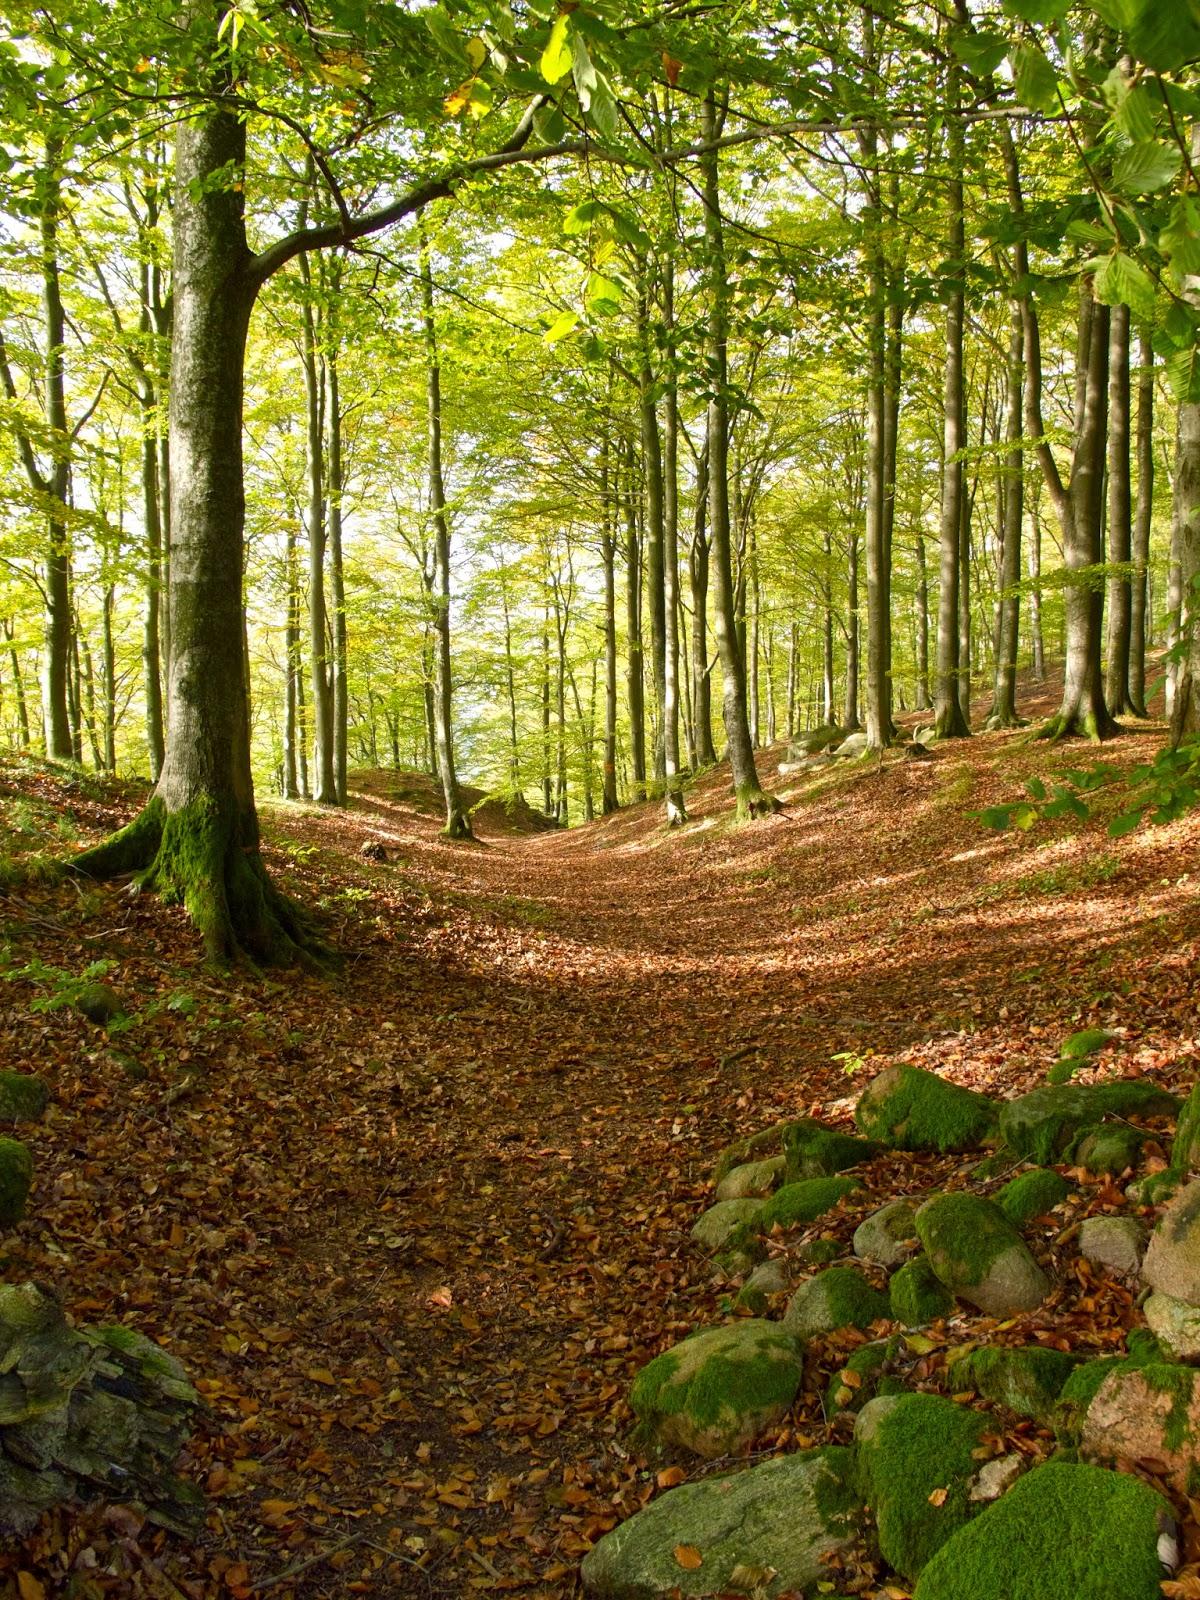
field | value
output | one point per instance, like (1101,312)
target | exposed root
(752,803)
(458,827)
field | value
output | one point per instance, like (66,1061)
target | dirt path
(416,1228)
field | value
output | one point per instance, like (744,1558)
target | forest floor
(413,1229)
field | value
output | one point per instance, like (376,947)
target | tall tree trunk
(827,672)
(59,744)
(852,636)
(608,556)
(1143,513)
(673,789)
(23,733)
(750,797)
(458,824)
(634,690)
(337,580)
(950,715)
(1120,516)
(1008,607)
(318,616)
(291,649)
(109,664)
(198,840)
(547,782)
(652,482)
(1185,702)
(923,701)
(706,750)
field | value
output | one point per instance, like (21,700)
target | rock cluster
(923,1483)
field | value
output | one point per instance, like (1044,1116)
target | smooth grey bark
(652,500)
(827,666)
(1185,699)
(337,576)
(923,700)
(634,677)
(291,651)
(1120,516)
(673,788)
(1003,713)
(608,556)
(705,752)
(320,664)
(458,823)
(23,731)
(1143,514)
(853,635)
(751,800)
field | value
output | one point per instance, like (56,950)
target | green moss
(819,1252)
(814,1151)
(721,1381)
(1062,1532)
(1032,1194)
(917,1294)
(23,1096)
(1040,1125)
(766,1142)
(921,1444)
(1078,1046)
(1170,1378)
(907,1108)
(1083,1385)
(804,1202)
(1027,1381)
(839,1297)
(964,1236)
(1156,1188)
(1185,1152)
(862,1377)
(1113,1147)
(16,1177)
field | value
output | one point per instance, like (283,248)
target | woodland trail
(415,1228)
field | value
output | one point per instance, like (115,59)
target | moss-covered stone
(979,1255)
(815,1151)
(16,1178)
(907,1108)
(865,1375)
(1155,1188)
(917,1295)
(839,1297)
(1172,1264)
(1032,1194)
(908,1448)
(767,1280)
(782,1521)
(1062,1532)
(716,1226)
(887,1237)
(1175,1324)
(753,1180)
(1113,1147)
(755,1146)
(718,1390)
(23,1097)
(804,1202)
(818,1252)
(1040,1125)
(1185,1151)
(98,1003)
(1027,1380)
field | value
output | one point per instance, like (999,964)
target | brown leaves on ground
(413,1230)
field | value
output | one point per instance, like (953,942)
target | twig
(738,1055)
(559,1233)
(297,1567)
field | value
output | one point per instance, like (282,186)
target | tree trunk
(1185,703)
(706,750)
(1143,513)
(18,685)
(1120,516)
(608,555)
(923,699)
(652,482)
(750,797)
(318,619)
(197,840)
(458,823)
(337,582)
(1004,690)
(673,789)
(634,689)
(826,632)
(852,636)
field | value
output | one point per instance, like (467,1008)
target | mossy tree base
(1092,724)
(458,827)
(203,858)
(753,803)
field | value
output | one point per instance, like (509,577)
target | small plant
(852,1061)
(63,988)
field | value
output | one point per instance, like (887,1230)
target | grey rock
(1172,1263)
(855,745)
(1175,1324)
(980,1256)
(995,1477)
(768,1278)
(888,1236)
(716,1225)
(770,1530)
(753,1180)
(1115,1243)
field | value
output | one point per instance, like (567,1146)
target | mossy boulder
(907,1108)
(768,1279)
(979,1255)
(1064,1531)
(1031,1195)
(779,1523)
(839,1297)
(99,1004)
(1112,1147)
(16,1179)
(1172,1263)
(864,1376)
(1041,1125)
(818,1252)
(917,1295)
(1076,1051)
(715,1227)
(1141,1412)
(815,740)
(1185,1150)
(804,1202)
(888,1236)
(1115,1244)
(1175,1324)
(1155,1188)
(753,1180)
(754,1147)
(907,1448)
(23,1097)
(715,1392)
(1026,1379)
(814,1151)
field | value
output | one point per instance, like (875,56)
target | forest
(599,759)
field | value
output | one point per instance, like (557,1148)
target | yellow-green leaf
(556,57)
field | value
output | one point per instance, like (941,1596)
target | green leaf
(602,112)
(982,52)
(1034,79)
(1147,166)
(1183,375)
(1036,788)
(1024,817)
(994,817)
(556,57)
(1162,34)
(1180,239)
(581,217)
(566,322)
(601,295)
(1125,823)
(582,70)
(1135,114)
(1120,281)
(1038,10)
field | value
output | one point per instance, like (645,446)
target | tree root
(197,857)
(752,803)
